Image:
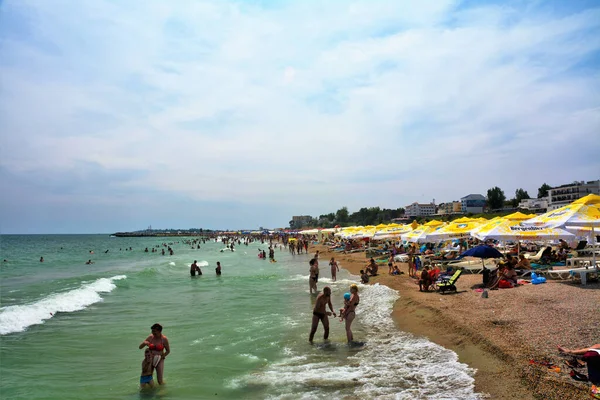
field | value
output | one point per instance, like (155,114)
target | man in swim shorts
(313,275)
(320,313)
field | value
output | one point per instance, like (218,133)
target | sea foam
(19,317)
(391,365)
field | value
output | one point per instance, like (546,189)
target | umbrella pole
(593,247)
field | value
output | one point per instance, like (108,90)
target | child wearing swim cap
(343,310)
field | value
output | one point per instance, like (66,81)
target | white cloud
(303,103)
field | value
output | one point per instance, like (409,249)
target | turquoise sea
(70,330)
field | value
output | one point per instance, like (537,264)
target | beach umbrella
(483,251)
(514,230)
(518,216)
(462,220)
(434,222)
(583,212)
(454,230)
(574,214)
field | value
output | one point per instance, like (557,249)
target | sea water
(70,330)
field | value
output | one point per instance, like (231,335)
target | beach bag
(504,284)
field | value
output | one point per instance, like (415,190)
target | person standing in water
(350,311)
(334,269)
(313,275)
(159,346)
(320,313)
(218,269)
(195,268)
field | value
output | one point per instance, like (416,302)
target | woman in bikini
(159,346)
(334,269)
(350,312)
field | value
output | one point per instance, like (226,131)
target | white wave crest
(19,317)
(391,365)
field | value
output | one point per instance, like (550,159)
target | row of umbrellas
(579,218)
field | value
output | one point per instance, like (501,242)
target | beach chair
(537,256)
(448,285)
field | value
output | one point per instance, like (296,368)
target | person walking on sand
(159,346)
(334,269)
(350,311)
(313,275)
(320,313)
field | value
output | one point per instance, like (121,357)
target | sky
(117,115)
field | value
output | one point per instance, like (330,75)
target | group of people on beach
(157,344)
(323,300)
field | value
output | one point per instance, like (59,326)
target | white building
(534,204)
(565,194)
(418,210)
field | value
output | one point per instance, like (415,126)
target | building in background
(418,210)
(565,194)
(535,205)
(473,203)
(451,207)
(299,221)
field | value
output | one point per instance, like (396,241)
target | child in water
(346,304)
(146,379)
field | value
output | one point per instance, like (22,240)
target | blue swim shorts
(145,379)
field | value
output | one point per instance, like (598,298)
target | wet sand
(499,335)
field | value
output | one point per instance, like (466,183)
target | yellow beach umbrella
(513,230)
(461,220)
(453,230)
(518,216)
(419,235)
(434,222)
(574,214)
(588,200)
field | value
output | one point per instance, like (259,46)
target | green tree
(520,194)
(543,190)
(495,197)
(341,215)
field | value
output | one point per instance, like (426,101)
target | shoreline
(494,339)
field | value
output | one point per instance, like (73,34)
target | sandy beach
(498,336)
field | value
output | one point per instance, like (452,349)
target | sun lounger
(536,257)
(561,274)
(583,273)
(471,266)
(448,285)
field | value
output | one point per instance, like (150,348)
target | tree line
(496,199)
(364,216)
